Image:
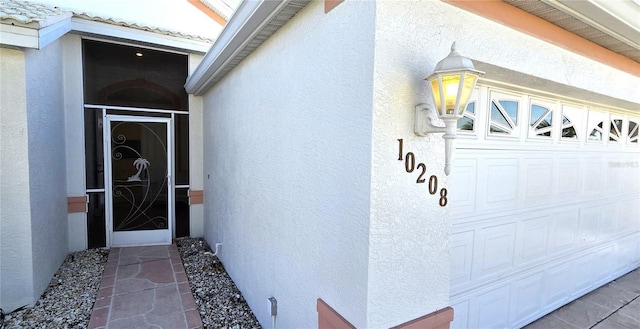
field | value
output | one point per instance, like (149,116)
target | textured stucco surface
(16,268)
(47,165)
(309,123)
(196,181)
(74,136)
(287,145)
(409,233)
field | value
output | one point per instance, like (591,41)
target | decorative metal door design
(139,198)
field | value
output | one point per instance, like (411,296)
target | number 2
(424,170)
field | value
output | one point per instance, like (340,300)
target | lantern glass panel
(469,81)
(450,85)
(435,89)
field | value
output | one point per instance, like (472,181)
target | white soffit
(496,76)
(252,23)
(612,24)
(620,19)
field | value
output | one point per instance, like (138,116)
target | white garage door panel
(539,220)
(529,294)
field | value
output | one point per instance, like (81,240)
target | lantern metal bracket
(424,118)
(423,125)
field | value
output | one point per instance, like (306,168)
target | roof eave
(33,36)
(91,27)
(618,19)
(244,32)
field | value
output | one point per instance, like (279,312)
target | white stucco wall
(16,268)
(47,165)
(74,136)
(287,146)
(310,122)
(409,235)
(196,179)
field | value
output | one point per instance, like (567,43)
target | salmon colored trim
(437,320)
(328,318)
(522,21)
(196,196)
(215,16)
(77,204)
(330,4)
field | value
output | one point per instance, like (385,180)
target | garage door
(545,201)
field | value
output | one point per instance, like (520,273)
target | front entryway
(139,204)
(136,132)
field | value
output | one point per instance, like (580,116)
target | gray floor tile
(582,314)
(550,322)
(625,321)
(608,324)
(632,310)
(610,296)
(630,282)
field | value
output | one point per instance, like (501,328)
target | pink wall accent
(437,320)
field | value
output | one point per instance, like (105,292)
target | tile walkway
(144,287)
(615,305)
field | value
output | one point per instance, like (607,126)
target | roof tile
(26,12)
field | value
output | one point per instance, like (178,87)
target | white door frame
(141,237)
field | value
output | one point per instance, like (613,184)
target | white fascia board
(51,33)
(121,32)
(619,19)
(18,36)
(247,21)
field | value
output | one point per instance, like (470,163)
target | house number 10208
(411,166)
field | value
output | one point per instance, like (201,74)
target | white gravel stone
(69,299)
(219,301)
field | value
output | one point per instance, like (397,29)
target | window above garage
(511,117)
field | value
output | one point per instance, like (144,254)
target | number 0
(433,184)
(410,162)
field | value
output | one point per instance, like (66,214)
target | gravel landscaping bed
(69,299)
(219,301)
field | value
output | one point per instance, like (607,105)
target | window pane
(497,116)
(93,148)
(182,149)
(182,213)
(471,107)
(546,122)
(498,130)
(128,76)
(569,132)
(615,130)
(465,123)
(537,112)
(96,230)
(511,108)
(633,132)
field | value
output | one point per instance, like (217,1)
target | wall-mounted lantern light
(452,82)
